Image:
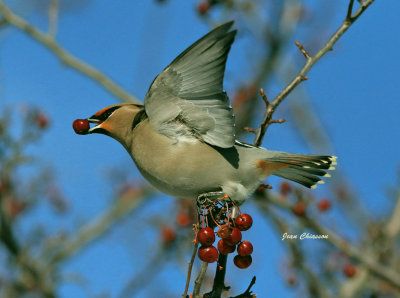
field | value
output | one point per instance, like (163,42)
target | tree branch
(196,246)
(310,62)
(199,280)
(219,279)
(392,228)
(248,293)
(64,56)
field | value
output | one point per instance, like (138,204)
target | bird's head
(117,121)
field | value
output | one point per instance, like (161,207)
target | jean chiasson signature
(303,236)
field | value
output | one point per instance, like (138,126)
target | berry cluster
(231,240)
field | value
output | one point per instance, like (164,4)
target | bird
(182,139)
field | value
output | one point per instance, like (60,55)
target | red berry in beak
(81,126)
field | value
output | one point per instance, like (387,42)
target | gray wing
(188,94)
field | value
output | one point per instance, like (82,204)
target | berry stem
(236,206)
(212,216)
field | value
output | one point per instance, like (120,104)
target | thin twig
(196,246)
(249,129)
(310,62)
(247,293)
(53,17)
(349,10)
(264,97)
(64,56)
(302,49)
(199,280)
(279,121)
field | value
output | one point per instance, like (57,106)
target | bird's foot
(210,199)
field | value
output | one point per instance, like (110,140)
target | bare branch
(199,280)
(53,17)
(219,279)
(301,48)
(196,246)
(349,10)
(247,293)
(249,129)
(264,97)
(310,62)
(280,121)
(64,56)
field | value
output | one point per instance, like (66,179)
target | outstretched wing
(188,98)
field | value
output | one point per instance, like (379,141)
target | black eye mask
(103,117)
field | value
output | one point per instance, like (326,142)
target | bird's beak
(97,126)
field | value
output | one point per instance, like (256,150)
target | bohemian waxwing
(183,138)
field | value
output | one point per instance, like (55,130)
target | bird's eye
(106,114)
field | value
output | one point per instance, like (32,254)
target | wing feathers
(191,86)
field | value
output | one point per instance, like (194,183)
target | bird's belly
(181,186)
(178,170)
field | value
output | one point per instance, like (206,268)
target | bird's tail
(301,168)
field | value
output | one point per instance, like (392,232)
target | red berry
(208,254)
(244,222)
(42,120)
(285,188)
(234,237)
(224,247)
(324,205)
(203,7)
(245,248)
(168,234)
(350,270)
(206,236)
(291,280)
(242,262)
(299,209)
(183,219)
(223,232)
(81,126)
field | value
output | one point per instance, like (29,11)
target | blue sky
(355,89)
